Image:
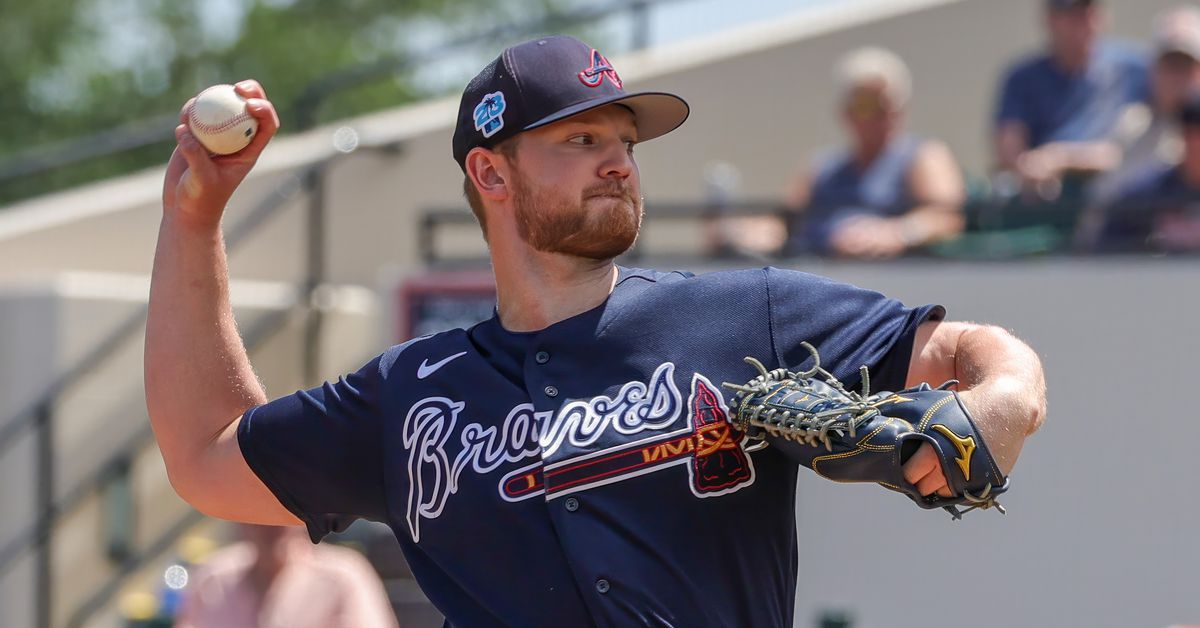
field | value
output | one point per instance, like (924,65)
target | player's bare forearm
(198,377)
(1000,377)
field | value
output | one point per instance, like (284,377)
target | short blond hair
(866,66)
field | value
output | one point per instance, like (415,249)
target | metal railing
(996,229)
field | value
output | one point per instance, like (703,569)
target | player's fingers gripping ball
(850,437)
(219,119)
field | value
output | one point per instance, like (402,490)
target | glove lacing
(811,428)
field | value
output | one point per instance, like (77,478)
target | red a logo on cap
(594,76)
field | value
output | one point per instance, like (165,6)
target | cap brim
(655,113)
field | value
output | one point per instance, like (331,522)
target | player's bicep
(224,485)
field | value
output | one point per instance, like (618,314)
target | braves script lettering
(524,434)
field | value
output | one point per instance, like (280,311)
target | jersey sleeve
(849,327)
(320,451)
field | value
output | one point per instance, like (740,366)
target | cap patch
(600,68)
(489,114)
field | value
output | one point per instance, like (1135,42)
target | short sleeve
(1010,104)
(849,326)
(320,451)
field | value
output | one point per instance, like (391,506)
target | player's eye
(582,140)
(629,144)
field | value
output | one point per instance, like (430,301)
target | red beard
(603,224)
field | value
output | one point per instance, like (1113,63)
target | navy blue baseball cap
(545,80)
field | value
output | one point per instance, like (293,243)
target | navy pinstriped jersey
(584,474)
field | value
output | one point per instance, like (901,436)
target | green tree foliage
(75,67)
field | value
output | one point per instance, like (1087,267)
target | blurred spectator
(1057,111)
(276,577)
(887,191)
(1161,212)
(1148,135)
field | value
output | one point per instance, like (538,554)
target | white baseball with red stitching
(218,118)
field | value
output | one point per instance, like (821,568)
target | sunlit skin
(558,212)
(576,189)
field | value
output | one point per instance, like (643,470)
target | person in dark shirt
(1161,211)
(887,191)
(1056,110)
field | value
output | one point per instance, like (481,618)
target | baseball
(218,118)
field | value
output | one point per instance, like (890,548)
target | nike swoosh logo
(425,369)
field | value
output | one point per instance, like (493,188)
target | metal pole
(315,274)
(45,507)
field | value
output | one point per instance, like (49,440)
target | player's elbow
(194,479)
(1018,366)
(186,478)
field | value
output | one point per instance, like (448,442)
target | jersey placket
(545,380)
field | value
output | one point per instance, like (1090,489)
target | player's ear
(487,172)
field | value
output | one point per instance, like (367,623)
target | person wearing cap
(888,191)
(569,461)
(1160,211)
(1057,109)
(1148,134)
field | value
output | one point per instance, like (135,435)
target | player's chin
(611,202)
(599,245)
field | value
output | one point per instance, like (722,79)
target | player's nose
(618,162)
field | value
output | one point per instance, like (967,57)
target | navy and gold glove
(852,437)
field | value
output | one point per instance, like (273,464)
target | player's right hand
(198,185)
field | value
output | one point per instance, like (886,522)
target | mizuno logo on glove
(965,447)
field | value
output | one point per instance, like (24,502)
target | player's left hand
(924,470)
(920,441)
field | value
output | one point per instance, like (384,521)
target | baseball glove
(853,437)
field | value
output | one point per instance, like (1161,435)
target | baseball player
(572,460)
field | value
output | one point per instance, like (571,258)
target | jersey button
(541,357)
(551,391)
(602,586)
(571,504)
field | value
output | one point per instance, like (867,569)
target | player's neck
(536,290)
